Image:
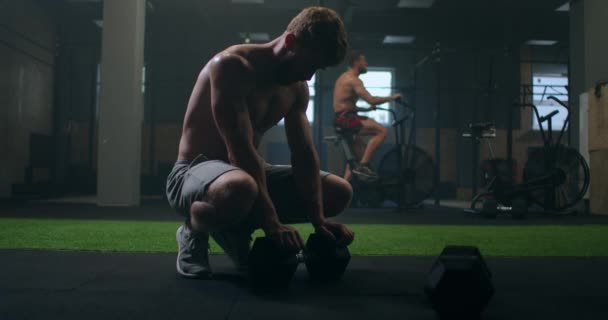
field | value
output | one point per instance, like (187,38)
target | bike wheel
(568,182)
(414,173)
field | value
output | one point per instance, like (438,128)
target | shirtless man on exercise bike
(347,90)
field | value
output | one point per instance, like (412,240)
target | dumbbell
(519,208)
(459,284)
(272,268)
(490,208)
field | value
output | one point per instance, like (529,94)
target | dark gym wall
(479,71)
(78,57)
(27,66)
(179,41)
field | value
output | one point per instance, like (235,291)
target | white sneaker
(365,174)
(192,254)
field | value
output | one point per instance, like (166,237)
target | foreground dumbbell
(325,261)
(459,283)
(270,268)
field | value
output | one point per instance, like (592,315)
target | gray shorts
(189,180)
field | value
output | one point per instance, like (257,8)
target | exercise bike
(555,177)
(406,172)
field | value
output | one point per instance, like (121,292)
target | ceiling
(486,22)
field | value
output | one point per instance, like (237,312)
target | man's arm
(305,163)
(367,97)
(304,158)
(231,115)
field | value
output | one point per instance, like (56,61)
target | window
(379,82)
(310,111)
(545,85)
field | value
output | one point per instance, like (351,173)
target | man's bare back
(267,104)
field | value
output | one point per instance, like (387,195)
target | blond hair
(321,28)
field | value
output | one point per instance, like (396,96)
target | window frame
(544,105)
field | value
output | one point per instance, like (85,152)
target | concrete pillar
(588,45)
(596,46)
(121,103)
(577,68)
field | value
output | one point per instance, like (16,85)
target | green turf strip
(370,239)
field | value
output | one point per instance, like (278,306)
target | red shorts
(349,120)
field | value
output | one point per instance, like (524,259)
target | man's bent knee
(233,194)
(337,194)
(384,131)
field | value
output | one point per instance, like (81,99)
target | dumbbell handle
(301,256)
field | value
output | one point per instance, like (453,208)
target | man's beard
(362,70)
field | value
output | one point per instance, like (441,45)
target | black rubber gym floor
(85,285)
(89,285)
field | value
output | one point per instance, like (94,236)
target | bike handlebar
(548,116)
(406,105)
(394,115)
(392,112)
(559,101)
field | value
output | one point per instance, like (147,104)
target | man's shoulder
(347,78)
(230,70)
(229,61)
(294,93)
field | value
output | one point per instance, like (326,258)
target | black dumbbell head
(490,208)
(270,267)
(519,208)
(325,261)
(459,283)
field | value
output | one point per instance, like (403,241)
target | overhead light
(541,42)
(254,36)
(398,39)
(99,23)
(564,7)
(248,1)
(415,3)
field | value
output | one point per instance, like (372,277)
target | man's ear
(290,41)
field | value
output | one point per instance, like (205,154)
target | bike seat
(481,126)
(481,130)
(346,132)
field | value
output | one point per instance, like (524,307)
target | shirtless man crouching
(220,184)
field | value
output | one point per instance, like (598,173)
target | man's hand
(286,237)
(397,96)
(336,231)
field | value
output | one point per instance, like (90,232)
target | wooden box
(598,119)
(598,190)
